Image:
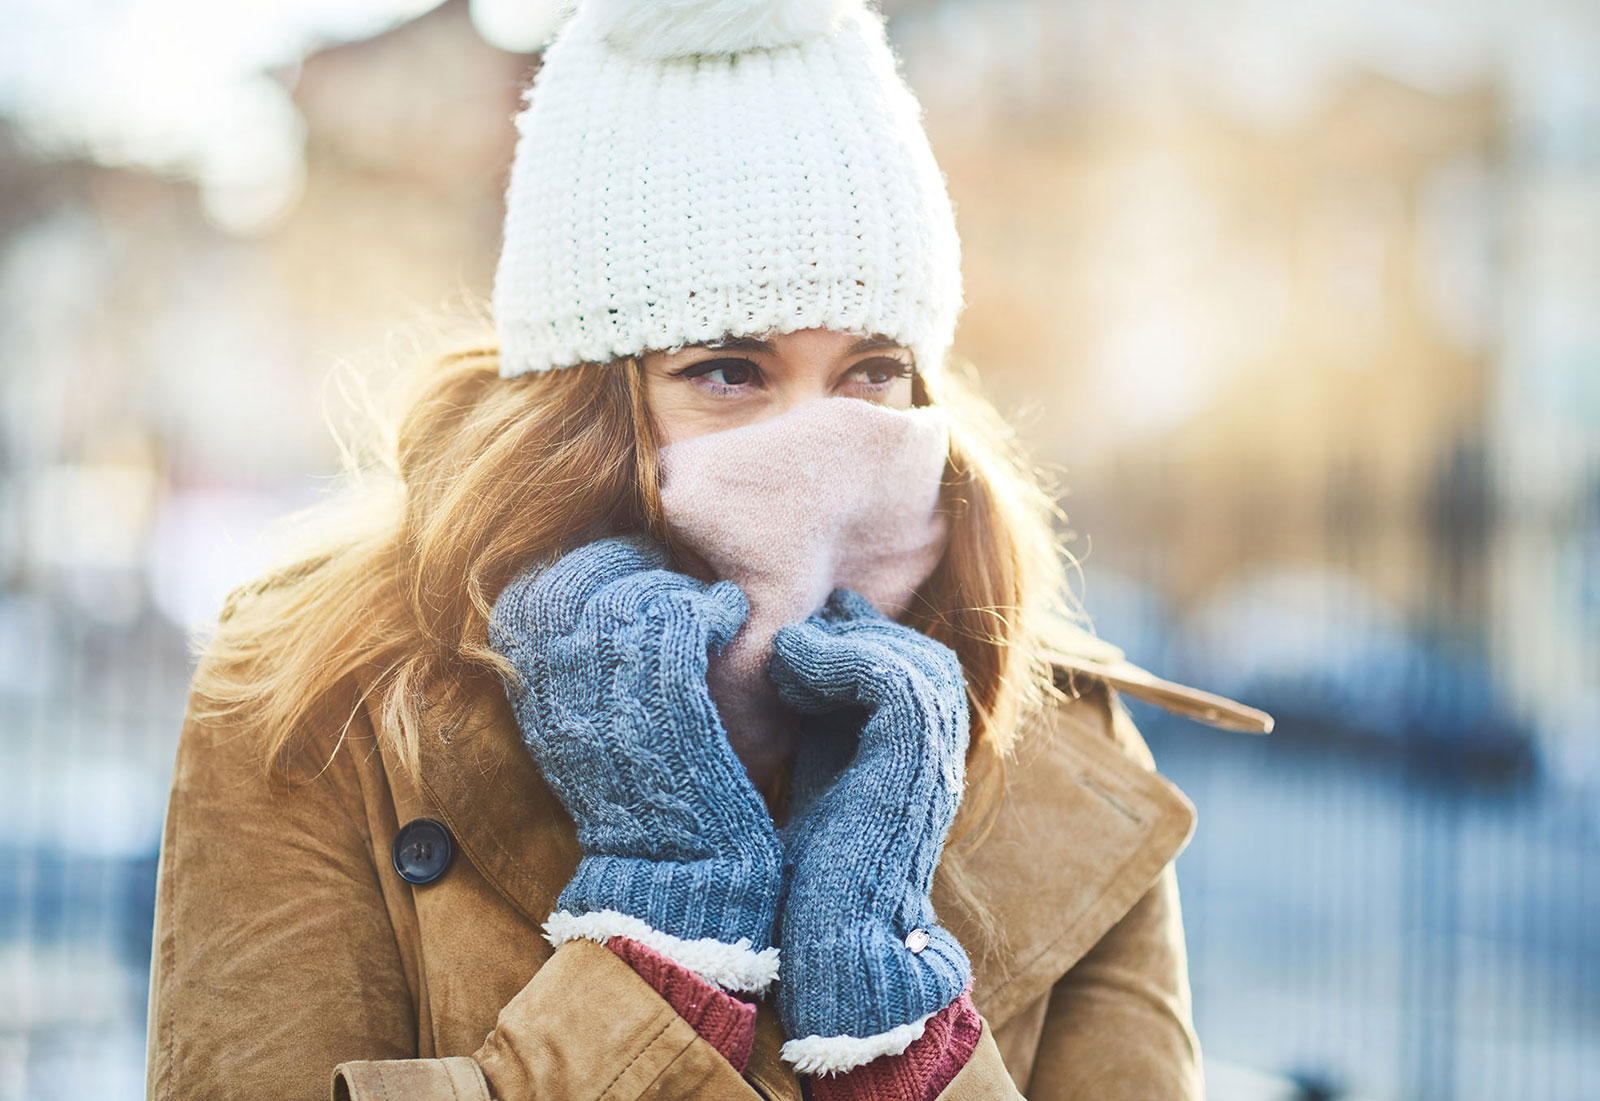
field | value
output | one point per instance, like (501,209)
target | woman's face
(705,388)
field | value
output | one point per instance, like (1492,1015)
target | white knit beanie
(688,170)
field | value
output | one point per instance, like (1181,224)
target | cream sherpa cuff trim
(837,1054)
(734,967)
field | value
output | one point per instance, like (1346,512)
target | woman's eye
(731,373)
(881,372)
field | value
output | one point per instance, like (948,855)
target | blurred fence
(1396,894)
(89,715)
(1372,924)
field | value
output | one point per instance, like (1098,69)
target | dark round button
(422,850)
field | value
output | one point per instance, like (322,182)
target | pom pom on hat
(665,29)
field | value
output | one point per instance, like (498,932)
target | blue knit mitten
(679,852)
(863,962)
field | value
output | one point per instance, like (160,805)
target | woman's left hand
(863,962)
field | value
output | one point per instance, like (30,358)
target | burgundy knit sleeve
(921,1071)
(725,1022)
(728,1023)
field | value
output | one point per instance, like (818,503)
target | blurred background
(1302,300)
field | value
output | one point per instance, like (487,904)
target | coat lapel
(1081,653)
(1082,834)
(484,785)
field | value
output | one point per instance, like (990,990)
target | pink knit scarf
(836,491)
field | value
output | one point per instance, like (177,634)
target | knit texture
(737,966)
(610,650)
(769,174)
(771,507)
(723,1021)
(727,1023)
(860,852)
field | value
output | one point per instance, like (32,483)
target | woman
(908,844)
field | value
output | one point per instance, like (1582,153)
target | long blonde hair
(483,475)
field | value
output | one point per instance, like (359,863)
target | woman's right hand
(611,649)
(878,781)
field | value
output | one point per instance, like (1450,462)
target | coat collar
(1078,652)
(1082,833)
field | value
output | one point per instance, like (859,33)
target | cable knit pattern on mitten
(611,649)
(864,963)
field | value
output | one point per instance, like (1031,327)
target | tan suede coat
(291,960)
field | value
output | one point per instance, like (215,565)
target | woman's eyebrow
(872,344)
(740,344)
(751,344)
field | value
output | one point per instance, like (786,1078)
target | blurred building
(408,151)
(1246,335)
